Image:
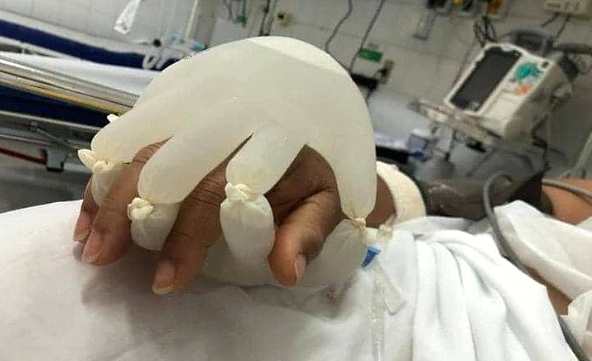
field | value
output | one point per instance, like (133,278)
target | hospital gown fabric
(460,300)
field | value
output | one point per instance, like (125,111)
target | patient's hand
(305,204)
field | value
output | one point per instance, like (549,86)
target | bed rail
(21,76)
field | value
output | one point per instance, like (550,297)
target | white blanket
(458,300)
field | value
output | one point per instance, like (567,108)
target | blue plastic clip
(373,251)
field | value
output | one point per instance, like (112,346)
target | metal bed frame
(59,138)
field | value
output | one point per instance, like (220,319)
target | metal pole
(27,119)
(20,76)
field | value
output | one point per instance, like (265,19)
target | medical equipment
(506,91)
(508,94)
(581,8)
(511,89)
(505,246)
(165,47)
(38,37)
(535,41)
(60,110)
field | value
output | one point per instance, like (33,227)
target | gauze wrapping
(273,95)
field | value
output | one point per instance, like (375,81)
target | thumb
(301,236)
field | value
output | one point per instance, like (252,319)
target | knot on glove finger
(97,165)
(359,223)
(239,193)
(88,158)
(139,209)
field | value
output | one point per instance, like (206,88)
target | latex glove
(305,204)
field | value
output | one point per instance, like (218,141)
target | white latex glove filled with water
(242,113)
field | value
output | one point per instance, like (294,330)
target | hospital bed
(59,104)
(60,97)
(38,37)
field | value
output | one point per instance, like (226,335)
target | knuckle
(110,213)
(203,200)
(327,208)
(146,153)
(188,241)
(208,194)
(180,237)
(111,204)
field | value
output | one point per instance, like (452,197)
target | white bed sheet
(460,301)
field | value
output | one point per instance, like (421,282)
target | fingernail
(82,228)
(164,280)
(299,266)
(92,249)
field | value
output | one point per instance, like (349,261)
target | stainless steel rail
(21,76)
(27,120)
(45,131)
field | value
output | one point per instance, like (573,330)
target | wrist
(384,207)
(398,195)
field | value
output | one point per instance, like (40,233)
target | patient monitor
(506,91)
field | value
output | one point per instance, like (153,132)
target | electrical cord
(485,31)
(366,34)
(488,208)
(540,141)
(350,9)
(266,10)
(563,26)
(513,258)
(464,62)
(550,20)
(574,48)
(582,192)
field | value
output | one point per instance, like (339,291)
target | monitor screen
(486,76)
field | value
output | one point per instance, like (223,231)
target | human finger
(197,227)
(88,211)
(110,234)
(301,235)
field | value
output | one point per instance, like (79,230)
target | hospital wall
(423,68)
(97,17)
